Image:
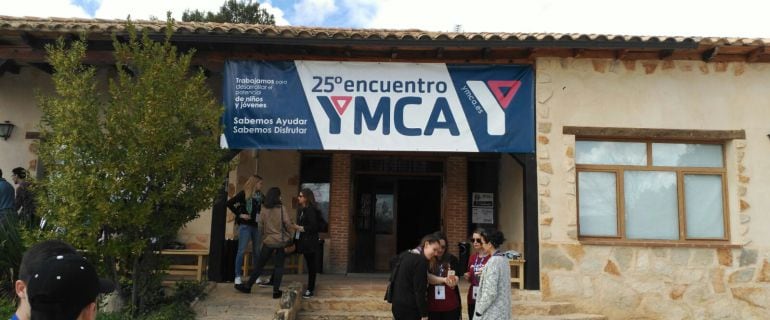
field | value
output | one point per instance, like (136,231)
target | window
(641,191)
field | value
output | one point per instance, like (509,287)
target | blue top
(14,317)
(6,195)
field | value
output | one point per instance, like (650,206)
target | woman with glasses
(494,294)
(476,262)
(443,293)
(307,240)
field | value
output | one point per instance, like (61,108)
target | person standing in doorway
(443,294)
(6,197)
(476,262)
(410,301)
(494,301)
(246,206)
(277,229)
(307,240)
(24,204)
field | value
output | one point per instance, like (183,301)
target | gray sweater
(494,300)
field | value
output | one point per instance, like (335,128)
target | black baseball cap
(63,285)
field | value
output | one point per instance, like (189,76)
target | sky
(736,18)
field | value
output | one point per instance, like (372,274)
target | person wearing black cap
(65,287)
(33,258)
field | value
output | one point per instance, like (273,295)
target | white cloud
(312,12)
(278,14)
(653,17)
(43,9)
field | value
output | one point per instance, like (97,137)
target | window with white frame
(651,191)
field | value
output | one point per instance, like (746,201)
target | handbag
(291,246)
(389,290)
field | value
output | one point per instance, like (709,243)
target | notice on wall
(482,207)
(482,215)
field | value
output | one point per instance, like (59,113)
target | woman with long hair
(476,262)
(443,294)
(411,281)
(246,206)
(494,302)
(277,229)
(307,235)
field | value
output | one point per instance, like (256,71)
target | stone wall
(655,281)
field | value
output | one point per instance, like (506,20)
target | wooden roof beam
(753,55)
(576,53)
(486,52)
(620,54)
(8,65)
(440,52)
(710,54)
(666,54)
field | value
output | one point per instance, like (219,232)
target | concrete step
(524,295)
(344,315)
(542,308)
(351,304)
(571,316)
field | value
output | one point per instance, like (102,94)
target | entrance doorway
(391,214)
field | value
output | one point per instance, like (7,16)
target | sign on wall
(319,105)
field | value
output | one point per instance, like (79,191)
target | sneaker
(243,288)
(267,284)
(307,294)
(238,280)
(277,294)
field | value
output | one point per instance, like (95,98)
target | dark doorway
(391,214)
(419,210)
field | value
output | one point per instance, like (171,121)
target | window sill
(661,244)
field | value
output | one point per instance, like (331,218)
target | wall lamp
(6,129)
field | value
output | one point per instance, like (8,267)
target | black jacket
(237,205)
(308,240)
(411,283)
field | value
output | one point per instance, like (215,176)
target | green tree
(128,161)
(233,11)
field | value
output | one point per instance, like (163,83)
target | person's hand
(245,216)
(301,228)
(467,276)
(424,318)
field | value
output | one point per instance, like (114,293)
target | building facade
(643,199)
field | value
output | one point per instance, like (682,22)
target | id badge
(475,294)
(440,292)
(296,235)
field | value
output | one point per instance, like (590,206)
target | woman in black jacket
(246,206)
(409,286)
(307,240)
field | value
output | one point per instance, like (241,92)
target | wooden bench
(195,270)
(517,272)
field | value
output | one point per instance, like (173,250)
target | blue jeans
(246,233)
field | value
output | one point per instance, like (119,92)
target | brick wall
(339,214)
(456,202)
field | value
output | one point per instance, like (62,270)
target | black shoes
(243,288)
(307,294)
(277,294)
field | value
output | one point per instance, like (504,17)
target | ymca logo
(493,97)
(388,112)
